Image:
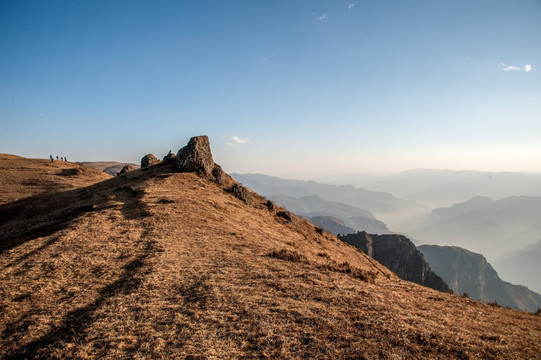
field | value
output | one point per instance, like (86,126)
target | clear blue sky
(289,88)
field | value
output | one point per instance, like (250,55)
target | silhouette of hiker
(65,158)
(61,158)
(57,157)
(51,157)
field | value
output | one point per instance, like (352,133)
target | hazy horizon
(303,89)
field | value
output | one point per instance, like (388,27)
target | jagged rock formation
(196,157)
(469,273)
(125,169)
(400,255)
(149,160)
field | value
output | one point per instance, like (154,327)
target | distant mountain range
(469,273)
(333,225)
(523,266)
(384,206)
(436,188)
(333,216)
(491,227)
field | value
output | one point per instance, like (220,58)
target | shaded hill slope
(469,272)
(398,254)
(158,264)
(22,177)
(438,188)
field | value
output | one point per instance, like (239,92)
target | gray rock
(195,157)
(149,160)
(218,174)
(240,192)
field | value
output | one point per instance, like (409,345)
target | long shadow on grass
(78,320)
(43,215)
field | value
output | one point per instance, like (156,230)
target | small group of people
(62,158)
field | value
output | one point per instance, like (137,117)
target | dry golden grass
(154,264)
(21,177)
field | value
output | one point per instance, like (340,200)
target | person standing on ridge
(51,157)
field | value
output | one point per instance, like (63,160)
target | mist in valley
(496,214)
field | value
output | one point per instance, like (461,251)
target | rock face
(196,157)
(149,160)
(470,273)
(125,169)
(400,255)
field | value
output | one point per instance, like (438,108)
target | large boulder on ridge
(196,157)
(149,160)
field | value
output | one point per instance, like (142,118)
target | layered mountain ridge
(469,273)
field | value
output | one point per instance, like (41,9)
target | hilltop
(158,263)
(21,177)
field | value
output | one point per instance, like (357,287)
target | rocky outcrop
(195,157)
(218,174)
(400,255)
(170,155)
(469,273)
(126,168)
(149,160)
(241,193)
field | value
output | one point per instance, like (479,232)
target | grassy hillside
(157,264)
(21,177)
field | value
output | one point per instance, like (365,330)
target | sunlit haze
(301,89)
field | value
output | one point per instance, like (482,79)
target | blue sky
(301,89)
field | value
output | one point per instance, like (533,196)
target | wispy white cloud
(322,17)
(526,68)
(463,59)
(350,6)
(236,141)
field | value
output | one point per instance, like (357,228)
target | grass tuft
(287,255)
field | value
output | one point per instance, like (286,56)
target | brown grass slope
(155,264)
(21,177)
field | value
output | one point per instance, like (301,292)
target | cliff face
(398,254)
(470,273)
